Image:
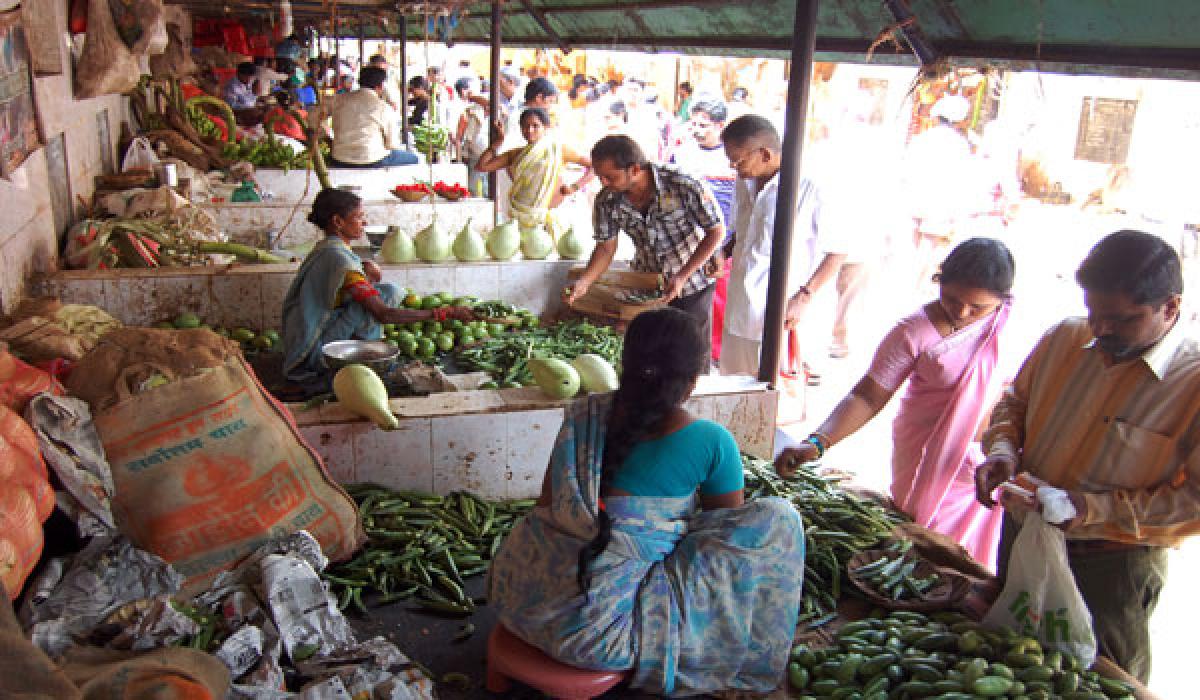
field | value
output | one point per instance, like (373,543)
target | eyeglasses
(737,164)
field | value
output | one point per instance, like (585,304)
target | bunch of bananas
(266,153)
(201,122)
(430,138)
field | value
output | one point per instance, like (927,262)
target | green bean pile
(421,546)
(506,357)
(837,525)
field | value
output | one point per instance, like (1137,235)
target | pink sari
(954,383)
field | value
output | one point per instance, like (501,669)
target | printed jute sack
(206,465)
(1040,598)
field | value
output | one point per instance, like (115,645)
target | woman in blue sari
(642,553)
(338,296)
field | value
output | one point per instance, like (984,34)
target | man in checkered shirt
(673,219)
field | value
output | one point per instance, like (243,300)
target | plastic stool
(510,658)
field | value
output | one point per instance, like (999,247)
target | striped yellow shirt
(1125,436)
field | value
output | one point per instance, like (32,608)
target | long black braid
(664,354)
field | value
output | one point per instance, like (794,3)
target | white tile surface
(237,301)
(531,436)
(398,459)
(274,289)
(425,278)
(751,419)
(334,444)
(481,281)
(525,284)
(469,452)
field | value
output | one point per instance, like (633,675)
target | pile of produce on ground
(422,546)
(251,340)
(944,655)
(837,526)
(160,241)
(507,357)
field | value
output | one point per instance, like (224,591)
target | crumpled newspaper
(70,445)
(144,624)
(106,575)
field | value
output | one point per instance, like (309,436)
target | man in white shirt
(391,94)
(366,130)
(754,150)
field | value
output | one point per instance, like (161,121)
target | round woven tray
(410,195)
(951,588)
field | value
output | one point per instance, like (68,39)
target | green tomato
(455,324)
(406,335)
(495,328)
(482,333)
(466,339)
(431,302)
(433,327)
(408,345)
(415,327)
(445,342)
(414,301)
(425,348)
(389,328)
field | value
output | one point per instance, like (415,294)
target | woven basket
(410,195)
(950,590)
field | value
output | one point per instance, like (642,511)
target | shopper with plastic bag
(1105,415)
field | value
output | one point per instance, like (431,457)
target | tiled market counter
(252,295)
(496,443)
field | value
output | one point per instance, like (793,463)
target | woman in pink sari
(948,350)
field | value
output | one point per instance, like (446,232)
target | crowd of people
(640,495)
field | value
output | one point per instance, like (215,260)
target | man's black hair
(371,76)
(1139,265)
(752,128)
(620,150)
(539,87)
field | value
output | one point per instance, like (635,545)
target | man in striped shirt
(1108,409)
(672,218)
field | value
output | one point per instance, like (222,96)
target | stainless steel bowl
(376,354)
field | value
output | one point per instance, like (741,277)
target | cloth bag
(139,156)
(1040,598)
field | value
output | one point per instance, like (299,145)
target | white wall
(28,242)
(1165,139)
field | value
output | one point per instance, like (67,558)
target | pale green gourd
(361,391)
(469,246)
(433,243)
(571,245)
(536,243)
(595,373)
(397,247)
(556,378)
(504,241)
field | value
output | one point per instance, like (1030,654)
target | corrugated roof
(1110,36)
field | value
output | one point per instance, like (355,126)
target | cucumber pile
(945,656)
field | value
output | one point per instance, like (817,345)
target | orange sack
(27,499)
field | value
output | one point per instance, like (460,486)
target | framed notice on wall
(18,118)
(1105,130)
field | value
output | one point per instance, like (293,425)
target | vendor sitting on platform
(366,130)
(643,553)
(338,296)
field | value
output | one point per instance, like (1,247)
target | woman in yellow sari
(536,168)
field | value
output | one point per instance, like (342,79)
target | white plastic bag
(140,154)
(1040,598)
